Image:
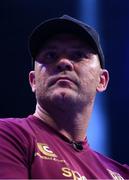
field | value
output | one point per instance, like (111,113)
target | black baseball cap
(64,24)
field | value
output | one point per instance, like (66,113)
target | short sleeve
(13,152)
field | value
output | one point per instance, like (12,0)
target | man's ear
(32,80)
(103,80)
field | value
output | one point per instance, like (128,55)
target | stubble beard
(63,99)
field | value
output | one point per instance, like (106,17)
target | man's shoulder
(14,121)
(16,126)
(11,120)
(106,158)
(112,165)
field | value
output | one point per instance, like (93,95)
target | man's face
(67,73)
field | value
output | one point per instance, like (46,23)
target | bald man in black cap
(69,69)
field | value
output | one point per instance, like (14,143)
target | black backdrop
(19,17)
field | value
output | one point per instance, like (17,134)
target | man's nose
(64,64)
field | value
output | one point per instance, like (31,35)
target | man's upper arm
(13,164)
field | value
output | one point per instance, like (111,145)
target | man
(51,144)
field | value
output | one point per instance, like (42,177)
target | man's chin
(63,96)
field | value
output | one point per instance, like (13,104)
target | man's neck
(72,125)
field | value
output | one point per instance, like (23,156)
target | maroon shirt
(30,149)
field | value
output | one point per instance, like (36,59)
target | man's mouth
(62,80)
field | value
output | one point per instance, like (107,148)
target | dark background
(19,17)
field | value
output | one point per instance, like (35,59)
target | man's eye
(50,55)
(48,58)
(77,55)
